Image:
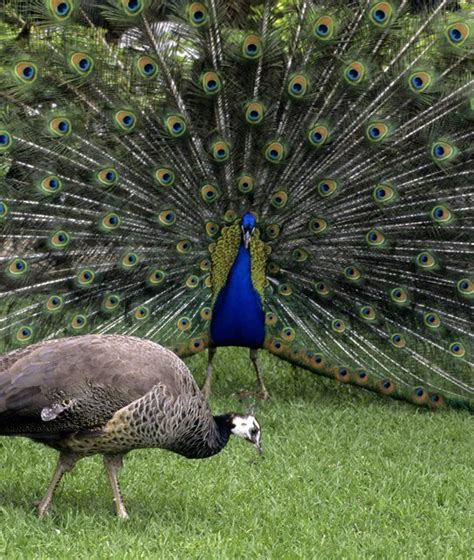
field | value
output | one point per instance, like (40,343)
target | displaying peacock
(297,178)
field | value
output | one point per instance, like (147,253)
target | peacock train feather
(295,176)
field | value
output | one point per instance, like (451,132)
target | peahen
(298,179)
(109,395)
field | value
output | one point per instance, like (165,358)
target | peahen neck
(237,317)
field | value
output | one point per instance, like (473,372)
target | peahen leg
(206,388)
(113,466)
(261,389)
(66,463)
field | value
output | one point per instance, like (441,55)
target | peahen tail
(336,135)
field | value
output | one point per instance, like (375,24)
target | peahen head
(248,227)
(246,426)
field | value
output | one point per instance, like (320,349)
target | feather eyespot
(61,9)
(141,313)
(211,83)
(60,127)
(355,73)
(419,395)
(111,302)
(54,303)
(338,325)
(271,319)
(343,375)
(318,361)
(386,387)
(324,28)
(210,193)
(78,322)
(327,187)
(192,281)
(419,82)
(176,126)
(285,290)
(197,14)
(107,177)
(381,14)
(318,135)
(298,86)
(125,121)
(318,225)
(457,349)
(24,334)
(361,377)
(167,218)
(352,273)
(457,33)
(17,267)
(129,260)
(147,67)
(206,313)
(165,177)
(465,287)
(85,278)
(246,184)
(220,151)
(4,210)
(272,231)
(288,334)
(26,72)
(81,63)
(184,324)
(322,289)
(442,215)
(212,229)
(367,313)
(254,112)
(6,140)
(432,320)
(377,131)
(132,8)
(252,47)
(184,247)
(110,222)
(275,152)
(59,239)
(399,296)
(443,152)
(426,261)
(50,185)
(384,194)
(155,277)
(375,238)
(398,340)
(279,199)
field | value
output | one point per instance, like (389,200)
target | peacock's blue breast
(237,317)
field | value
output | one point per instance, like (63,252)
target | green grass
(345,474)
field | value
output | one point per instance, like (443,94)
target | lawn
(345,474)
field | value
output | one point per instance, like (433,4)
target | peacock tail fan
(345,128)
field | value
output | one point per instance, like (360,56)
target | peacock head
(248,227)
(247,427)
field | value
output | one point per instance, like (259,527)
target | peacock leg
(66,463)
(113,466)
(206,388)
(261,389)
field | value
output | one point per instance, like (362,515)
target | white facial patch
(247,428)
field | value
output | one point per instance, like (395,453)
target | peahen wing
(343,126)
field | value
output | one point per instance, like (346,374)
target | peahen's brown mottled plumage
(109,395)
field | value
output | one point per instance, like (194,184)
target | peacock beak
(247,237)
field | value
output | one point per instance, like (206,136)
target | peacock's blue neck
(237,317)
